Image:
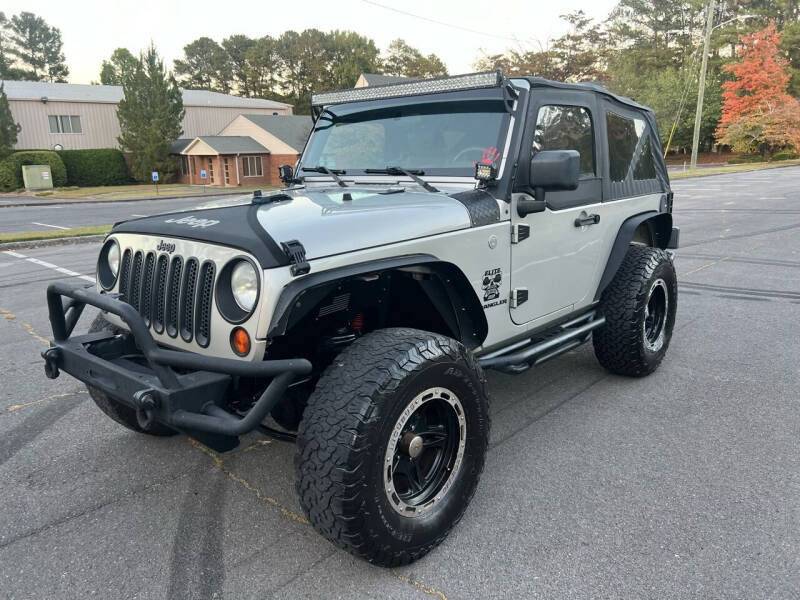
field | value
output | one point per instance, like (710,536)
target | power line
(442,23)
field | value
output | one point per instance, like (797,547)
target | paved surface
(66,216)
(685,484)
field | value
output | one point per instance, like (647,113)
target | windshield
(444,138)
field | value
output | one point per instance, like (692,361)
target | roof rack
(470,81)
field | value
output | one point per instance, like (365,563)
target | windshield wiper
(412,173)
(332,172)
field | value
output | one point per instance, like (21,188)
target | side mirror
(286,173)
(551,170)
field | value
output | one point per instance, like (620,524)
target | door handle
(587,220)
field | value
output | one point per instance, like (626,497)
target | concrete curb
(27,244)
(701,174)
(52,201)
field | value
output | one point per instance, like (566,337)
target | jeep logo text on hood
(191,221)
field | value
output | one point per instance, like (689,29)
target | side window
(566,128)
(629,140)
(646,166)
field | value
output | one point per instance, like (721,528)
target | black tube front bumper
(183,390)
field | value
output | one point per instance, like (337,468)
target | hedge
(741,160)
(95,167)
(785,155)
(11,168)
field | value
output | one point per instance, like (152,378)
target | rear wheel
(639,306)
(113,408)
(392,444)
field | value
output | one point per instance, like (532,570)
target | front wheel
(392,444)
(639,306)
(113,408)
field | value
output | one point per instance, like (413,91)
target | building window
(566,128)
(184,165)
(65,124)
(251,165)
(210,171)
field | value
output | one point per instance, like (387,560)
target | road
(14,219)
(684,484)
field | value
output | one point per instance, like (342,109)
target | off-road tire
(620,344)
(112,407)
(344,435)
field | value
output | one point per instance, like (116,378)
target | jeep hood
(323,220)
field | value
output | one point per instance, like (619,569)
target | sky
(456,30)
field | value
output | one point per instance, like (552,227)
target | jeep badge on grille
(165,247)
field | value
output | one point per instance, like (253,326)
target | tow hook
(146,405)
(50,357)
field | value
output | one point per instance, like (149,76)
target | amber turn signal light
(240,341)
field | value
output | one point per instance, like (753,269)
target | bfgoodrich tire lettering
(347,426)
(112,407)
(639,306)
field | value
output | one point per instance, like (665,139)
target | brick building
(248,151)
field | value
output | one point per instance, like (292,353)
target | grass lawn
(733,169)
(30,236)
(134,191)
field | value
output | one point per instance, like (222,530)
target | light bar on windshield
(471,81)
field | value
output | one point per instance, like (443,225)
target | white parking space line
(46,225)
(48,265)
(133,215)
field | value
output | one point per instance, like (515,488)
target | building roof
(180,144)
(378,79)
(74,92)
(230,144)
(290,129)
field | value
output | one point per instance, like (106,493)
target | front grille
(205,290)
(174,294)
(187,300)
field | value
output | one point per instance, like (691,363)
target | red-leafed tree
(758,115)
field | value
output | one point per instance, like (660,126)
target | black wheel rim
(425,451)
(655,316)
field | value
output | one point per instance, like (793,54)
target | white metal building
(75,116)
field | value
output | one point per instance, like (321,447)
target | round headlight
(244,285)
(113,259)
(108,264)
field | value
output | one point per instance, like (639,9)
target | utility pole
(702,86)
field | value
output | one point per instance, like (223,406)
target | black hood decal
(233,226)
(481,206)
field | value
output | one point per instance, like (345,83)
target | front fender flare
(467,309)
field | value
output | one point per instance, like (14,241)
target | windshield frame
(507,128)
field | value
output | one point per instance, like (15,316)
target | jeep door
(554,268)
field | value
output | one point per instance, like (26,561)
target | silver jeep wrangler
(431,230)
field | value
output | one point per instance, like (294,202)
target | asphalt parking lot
(685,484)
(16,219)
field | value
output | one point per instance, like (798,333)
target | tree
(120,66)
(575,56)
(8,128)
(757,112)
(205,66)
(237,47)
(403,60)
(262,67)
(150,116)
(348,55)
(37,47)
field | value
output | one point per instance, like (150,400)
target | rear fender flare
(660,226)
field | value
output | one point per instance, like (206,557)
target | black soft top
(588,86)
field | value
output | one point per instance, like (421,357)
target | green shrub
(785,155)
(740,160)
(95,167)
(11,168)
